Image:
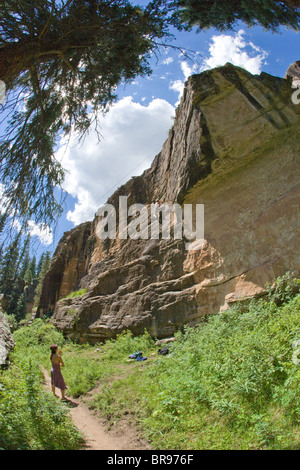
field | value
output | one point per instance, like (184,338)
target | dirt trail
(94,430)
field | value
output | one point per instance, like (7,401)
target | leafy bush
(126,344)
(230,382)
(86,365)
(31,417)
(39,333)
(284,289)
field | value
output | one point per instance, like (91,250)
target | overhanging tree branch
(69,57)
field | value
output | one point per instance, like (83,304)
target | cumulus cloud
(224,48)
(235,49)
(42,231)
(168,61)
(132,134)
(178,87)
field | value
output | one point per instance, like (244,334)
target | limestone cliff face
(234,147)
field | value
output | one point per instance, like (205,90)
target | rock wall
(234,147)
(7,342)
(69,264)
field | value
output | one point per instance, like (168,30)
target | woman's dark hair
(53,349)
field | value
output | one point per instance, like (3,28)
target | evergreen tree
(44,269)
(20,309)
(16,292)
(30,273)
(32,266)
(67,57)
(28,277)
(10,264)
(24,257)
(3,219)
(40,264)
(16,274)
(222,15)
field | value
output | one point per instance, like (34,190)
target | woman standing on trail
(57,379)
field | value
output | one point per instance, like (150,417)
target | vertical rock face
(293,72)
(234,147)
(7,342)
(69,264)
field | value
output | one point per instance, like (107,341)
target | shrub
(30,417)
(230,382)
(77,293)
(284,289)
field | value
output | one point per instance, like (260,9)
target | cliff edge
(234,148)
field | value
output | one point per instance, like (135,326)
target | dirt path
(94,430)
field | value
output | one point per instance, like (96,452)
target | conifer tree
(40,264)
(222,15)
(20,308)
(9,264)
(30,273)
(62,61)
(66,57)
(44,269)
(24,257)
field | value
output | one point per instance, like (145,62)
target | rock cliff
(7,342)
(234,147)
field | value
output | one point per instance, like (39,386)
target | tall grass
(86,365)
(30,417)
(77,293)
(229,383)
(232,382)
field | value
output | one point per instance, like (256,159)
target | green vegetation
(68,58)
(30,417)
(21,277)
(232,382)
(224,15)
(77,293)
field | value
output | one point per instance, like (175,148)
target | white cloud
(42,231)
(168,61)
(225,48)
(187,69)
(132,134)
(177,86)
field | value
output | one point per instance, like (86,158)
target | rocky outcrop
(69,264)
(7,342)
(234,147)
(293,72)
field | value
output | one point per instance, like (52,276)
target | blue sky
(137,125)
